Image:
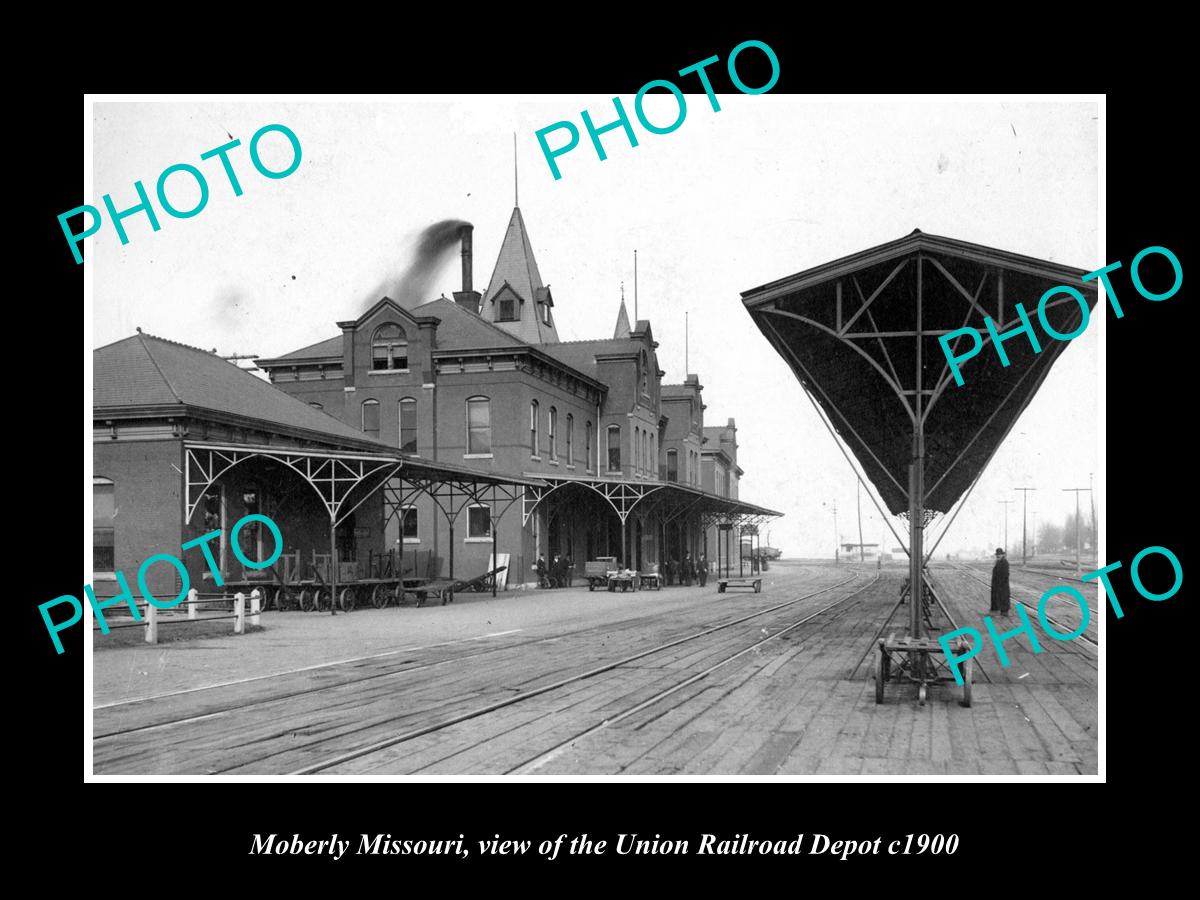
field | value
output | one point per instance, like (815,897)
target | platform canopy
(861,334)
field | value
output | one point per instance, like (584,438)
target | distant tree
(1050,538)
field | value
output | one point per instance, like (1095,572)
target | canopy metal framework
(668,499)
(453,490)
(338,477)
(862,333)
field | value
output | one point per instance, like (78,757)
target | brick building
(485,381)
(434,436)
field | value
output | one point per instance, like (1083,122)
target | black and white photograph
(696,433)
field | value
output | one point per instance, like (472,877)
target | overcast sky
(768,186)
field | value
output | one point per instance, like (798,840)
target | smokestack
(468,298)
(464,234)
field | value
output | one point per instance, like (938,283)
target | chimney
(468,298)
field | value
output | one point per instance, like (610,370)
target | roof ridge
(479,317)
(154,362)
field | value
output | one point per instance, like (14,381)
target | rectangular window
(408,426)
(479,522)
(479,425)
(672,466)
(370,418)
(408,523)
(553,433)
(587,446)
(508,310)
(614,448)
(103,510)
(533,428)
(570,440)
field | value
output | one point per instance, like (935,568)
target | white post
(193,596)
(151,623)
(255,607)
(239,610)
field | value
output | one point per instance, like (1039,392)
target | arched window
(409,532)
(533,428)
(637,453)
(570,440)
(645,451)
(389,348)
(370,418)
(672,465)
(645,374)
(587,446)
(654,454)
(104,509)
(614,448)
(479,426)
(408,425)
(553,433)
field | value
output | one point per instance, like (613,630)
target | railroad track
(221,711)
(532,763)
(1093,647)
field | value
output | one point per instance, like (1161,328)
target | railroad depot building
(434,435)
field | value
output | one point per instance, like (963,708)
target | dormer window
(389,348)
(508,310)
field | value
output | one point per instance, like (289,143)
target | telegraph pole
(837,546)
(1076,492)
(1006,502)
(858,503)
(1024,522)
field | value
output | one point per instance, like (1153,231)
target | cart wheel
(968,674)
(447,597)
(378,596)
(921,694)
(323,600)
(420,598)
(880,662)
(591,585)
(305,600)
(271,599)
(348,600)
(885,666)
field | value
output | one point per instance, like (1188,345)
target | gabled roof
(331,347)
(581,355)
(151,375)
(516,267)
(461,329)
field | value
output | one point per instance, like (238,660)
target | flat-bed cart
(596,573)
(650,580)
(445,589)
(754,584)
(625,580)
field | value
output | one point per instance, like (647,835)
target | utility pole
(837,541)
(858,503)
(1006,502)
(1095,529)
(1024,522)
(1076,491)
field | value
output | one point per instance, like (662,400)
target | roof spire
(622,330)
(516,181)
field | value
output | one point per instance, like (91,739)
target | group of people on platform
(685,571)
(557,574)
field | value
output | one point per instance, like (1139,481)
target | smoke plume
(412,287)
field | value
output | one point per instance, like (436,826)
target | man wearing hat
(1000,598)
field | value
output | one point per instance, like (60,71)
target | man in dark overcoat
(1000,597)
